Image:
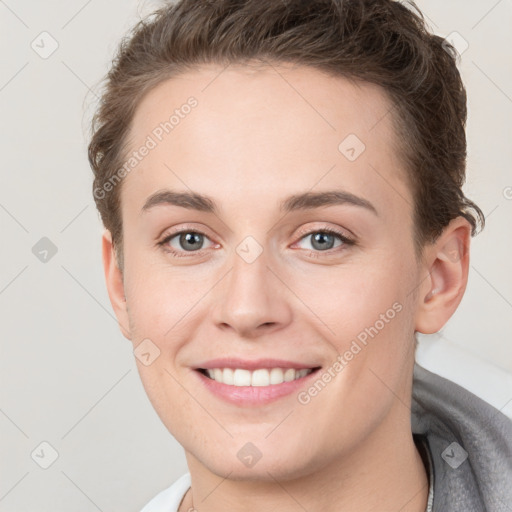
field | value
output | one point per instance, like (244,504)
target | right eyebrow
(190,200)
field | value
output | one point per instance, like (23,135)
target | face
(292,248)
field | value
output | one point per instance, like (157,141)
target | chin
(267,468)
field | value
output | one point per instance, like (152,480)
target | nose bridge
(251,296)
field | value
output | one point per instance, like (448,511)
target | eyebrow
(297,202)
(189,200)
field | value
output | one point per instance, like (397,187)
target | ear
(446,265)
(115,284)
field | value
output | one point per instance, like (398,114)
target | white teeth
(276,376)
(227,376)
(259,377)
(289,374)
(241,377)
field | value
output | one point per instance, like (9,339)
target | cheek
(173,402)
(349,299)
(367,313)
(160,297)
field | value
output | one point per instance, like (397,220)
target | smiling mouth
(256,378)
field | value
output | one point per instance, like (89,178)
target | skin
(257,136)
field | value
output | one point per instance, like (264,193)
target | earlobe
(115,284)
(447,267)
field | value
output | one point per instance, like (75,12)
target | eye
(185,241)
(325,239)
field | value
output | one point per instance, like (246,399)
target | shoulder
(470,442)
(169,499)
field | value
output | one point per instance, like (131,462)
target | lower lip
(253,395)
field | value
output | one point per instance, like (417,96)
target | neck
(385,473)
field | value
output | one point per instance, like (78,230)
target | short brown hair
(378,41)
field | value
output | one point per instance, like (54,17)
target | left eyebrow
(310,200)
(305,201)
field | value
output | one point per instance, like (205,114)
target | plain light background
(68,376)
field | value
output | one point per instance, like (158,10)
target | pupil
(191,238)
(320,238)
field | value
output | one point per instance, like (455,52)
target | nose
(252,299)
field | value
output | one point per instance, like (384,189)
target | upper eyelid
(344,239)
(169,236)
(184,228)
(342,232)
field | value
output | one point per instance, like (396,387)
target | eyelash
(330,231)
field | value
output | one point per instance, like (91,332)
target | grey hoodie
(470,445)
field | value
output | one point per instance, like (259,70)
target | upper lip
(233,362)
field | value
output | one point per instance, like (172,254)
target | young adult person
(281,187)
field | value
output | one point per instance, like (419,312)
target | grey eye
(188,241)
(322,240)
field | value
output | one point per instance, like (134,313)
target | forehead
(266,129)
(279,94)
